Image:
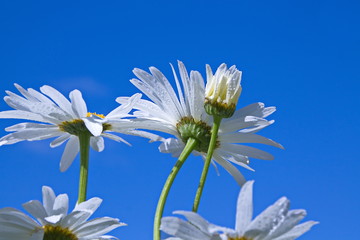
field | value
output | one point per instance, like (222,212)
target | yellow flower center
(188,127)
(58,233)
(77,126)
(239,238)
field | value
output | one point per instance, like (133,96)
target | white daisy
(65,120)
(276,222)
(183,115)
(53,221)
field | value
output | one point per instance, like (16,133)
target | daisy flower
(276,222)
(64,120)
(53,222)
(183,116)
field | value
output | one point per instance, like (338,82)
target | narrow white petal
(60,140)
(184,111)
(35,208)
(36,134)
(97,227)
(297,231)
(15,218)
(239,178)
(97,143)
(18,114)
(151,136)
(234,124)
(29,125)
(292,218)
(115,138)
(78,104)
(74,219)
(61,205)
(71,150)
(93,126)
(244,211)
(182,229)
(195,219)
(199,95)
(25,93)
(239,137)
(256,109)
(125,108)
(48,199)
(261,226)
(58,98)
(247,151)
(173,146)
(41,97)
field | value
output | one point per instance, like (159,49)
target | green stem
(84,139)
(190,145)
(212,146)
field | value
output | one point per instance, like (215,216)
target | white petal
(78,104)
(61,205)
(151,136)
(35,208)
(173,146)
(195,219)
(182,229)
(71,150)
(54,219)
(239,178)
(58,98)
(247,151)
(15,218)
(256,109)
(60,140)
(29,125)
(292,218)
(297,231)
(234,124)
(125,108)
(97,227)
(93,126)
(41,97)
(97,143)
(261,226)
(115,138)
(244,209)
(18,114)
(25,93)
(144,124)
(36,134)
(48,199)
(239,137)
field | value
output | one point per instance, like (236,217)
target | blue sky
(300,56)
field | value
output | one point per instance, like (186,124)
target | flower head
(65,120)
(183,115)
(222,90)
(53,222)
(276,222)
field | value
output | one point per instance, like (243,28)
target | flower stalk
(84,139)
(189,147)
(212,146)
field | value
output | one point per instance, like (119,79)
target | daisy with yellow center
(181,113)
(67,121)
(276,222)
(53,222)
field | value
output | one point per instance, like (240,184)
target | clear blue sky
(300,56)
